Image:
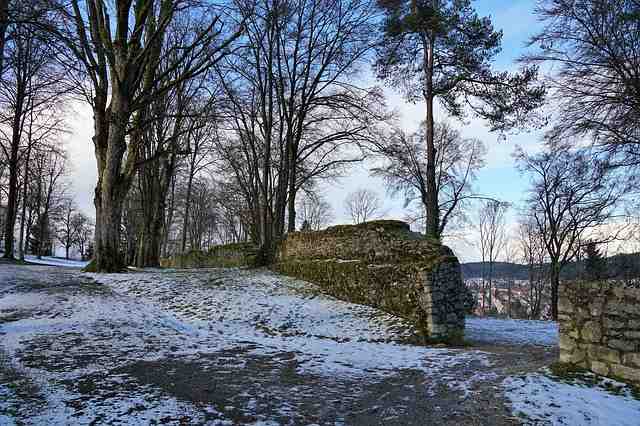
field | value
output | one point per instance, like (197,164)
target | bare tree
(457,162)
(572,193)
(120,49)
(491,228)
(83,226)
(534,255)
(31,89)
(67,232)
(295,112)
(362,205)
(49,191)
(594,49)
(200,142)
(313,210)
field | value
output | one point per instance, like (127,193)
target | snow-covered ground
(56,261)
(510,331)
(544,399)
(228,346)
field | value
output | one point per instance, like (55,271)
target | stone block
(632,360)
(614,324)
(596,310)
(564,318)
(603,353)
(627,373)
(592,332)
(576,356)
(565,305)
(631,308)
(623,345)
(567,343)
(600,368)
(632,334)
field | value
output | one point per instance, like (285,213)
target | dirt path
(231,347)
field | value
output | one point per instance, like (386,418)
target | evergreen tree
(594,264)
(441,49)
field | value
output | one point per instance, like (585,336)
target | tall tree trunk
(109,258)
(21,245)
(150,242)
(490,285)
(169,220)
(291,226)
(555,283)
(185,220)
(12,198)
(113,182)
(432,210)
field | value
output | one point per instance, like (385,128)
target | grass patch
(91,266)
(573,374)
(566,370)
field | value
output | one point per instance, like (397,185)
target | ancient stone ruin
(384,265)
(223,256)
(381,264)
(600,328)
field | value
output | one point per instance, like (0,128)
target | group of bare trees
(34,89)
(209,117)
(219,121)
(586,173)
(580,180)
(457,162)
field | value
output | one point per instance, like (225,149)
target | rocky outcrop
(600,328)
(384,265)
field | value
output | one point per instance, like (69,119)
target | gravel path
(226,347)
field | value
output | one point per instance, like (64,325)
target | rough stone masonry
(600,328)
(385,265)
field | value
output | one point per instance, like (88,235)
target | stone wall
(384,265)
(223,256)
(600,328)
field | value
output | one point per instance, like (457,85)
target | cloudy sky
(498,179)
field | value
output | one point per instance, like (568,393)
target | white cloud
(84,173)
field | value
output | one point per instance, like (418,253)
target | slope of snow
(277,314)
(524,332)
(65,334)
(542,400)
(56,261)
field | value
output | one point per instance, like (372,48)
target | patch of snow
(543,400)
(56,261)
(272,314)
(511,331)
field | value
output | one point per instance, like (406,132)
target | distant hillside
(618,266)
(500,270)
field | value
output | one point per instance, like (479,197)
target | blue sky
(498,179)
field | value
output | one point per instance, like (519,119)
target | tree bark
(113,184)
(555,283)
(12,198)
(431,207)
(291,226)
(21,245)
(168,220)
(185,220)
(151,238)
